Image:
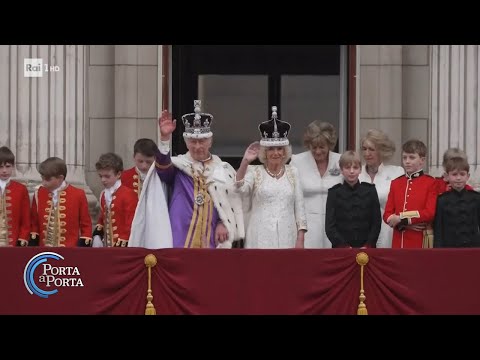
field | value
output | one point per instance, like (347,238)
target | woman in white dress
(277,214)
(319,171)
(377,150)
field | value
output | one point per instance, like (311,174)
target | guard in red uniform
(143,157)
(117,204)
(410,207)
(14,204)
(59,212)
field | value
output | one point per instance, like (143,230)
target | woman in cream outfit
(377,149)
(277,214)
(319,170)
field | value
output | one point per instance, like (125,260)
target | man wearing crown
(204,212)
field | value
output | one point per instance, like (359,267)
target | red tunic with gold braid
(64,224)
(414,198)
(14,215)
(131,178)
(115,222)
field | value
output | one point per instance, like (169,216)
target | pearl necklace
(272,174)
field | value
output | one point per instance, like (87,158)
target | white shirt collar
(115,186)
(110,191)
(3,184)
(55,192)
(141,174)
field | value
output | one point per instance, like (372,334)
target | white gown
(277,210)
(315,192)
(382,180)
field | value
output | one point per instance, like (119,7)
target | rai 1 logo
(34,67)
(44,275)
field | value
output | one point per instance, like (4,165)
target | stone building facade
(93,99)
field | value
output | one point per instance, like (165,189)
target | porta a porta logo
(46,280)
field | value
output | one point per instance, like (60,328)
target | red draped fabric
(241,281)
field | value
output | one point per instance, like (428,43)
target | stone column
(455,96)
(44,116)
(380,97)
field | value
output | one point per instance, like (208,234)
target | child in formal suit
(442,181)
(353,217)
(59,211)
(457,215)
(117,204)
(14,204)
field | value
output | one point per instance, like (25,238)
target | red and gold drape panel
(241,281)
(423,281)
(115,282)
(256,282)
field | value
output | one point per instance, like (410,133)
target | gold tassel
(150,261)
(362,260)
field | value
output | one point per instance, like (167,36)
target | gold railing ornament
(362,260)
(150,261)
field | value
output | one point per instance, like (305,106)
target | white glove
(97,241)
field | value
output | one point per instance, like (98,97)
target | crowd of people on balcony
(316,199)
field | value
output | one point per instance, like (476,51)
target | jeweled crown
(274,132)
(197,124)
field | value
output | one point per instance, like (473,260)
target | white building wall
(454,110)
(44,116)
(394,92)
(123,86)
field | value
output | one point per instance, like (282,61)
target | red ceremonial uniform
(115,222)
(14,214)
(131,178)
(64,224)
(414,198)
